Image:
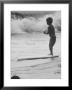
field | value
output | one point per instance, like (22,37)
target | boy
(51,32)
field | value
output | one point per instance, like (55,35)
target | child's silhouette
(51,32)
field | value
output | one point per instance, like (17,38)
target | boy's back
(51,31)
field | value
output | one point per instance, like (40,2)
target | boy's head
(49,20)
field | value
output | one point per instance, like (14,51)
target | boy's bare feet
(50,54)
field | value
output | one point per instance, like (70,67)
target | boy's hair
(49,20)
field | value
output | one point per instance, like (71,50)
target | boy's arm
(46,32)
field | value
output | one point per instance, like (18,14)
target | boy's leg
(51,51)
(50,47)
(51,44)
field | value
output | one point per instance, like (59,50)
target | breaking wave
(32,24)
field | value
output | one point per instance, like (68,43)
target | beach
(33,45)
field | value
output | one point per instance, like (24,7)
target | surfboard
(22,59)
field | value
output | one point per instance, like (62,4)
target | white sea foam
(32,24)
